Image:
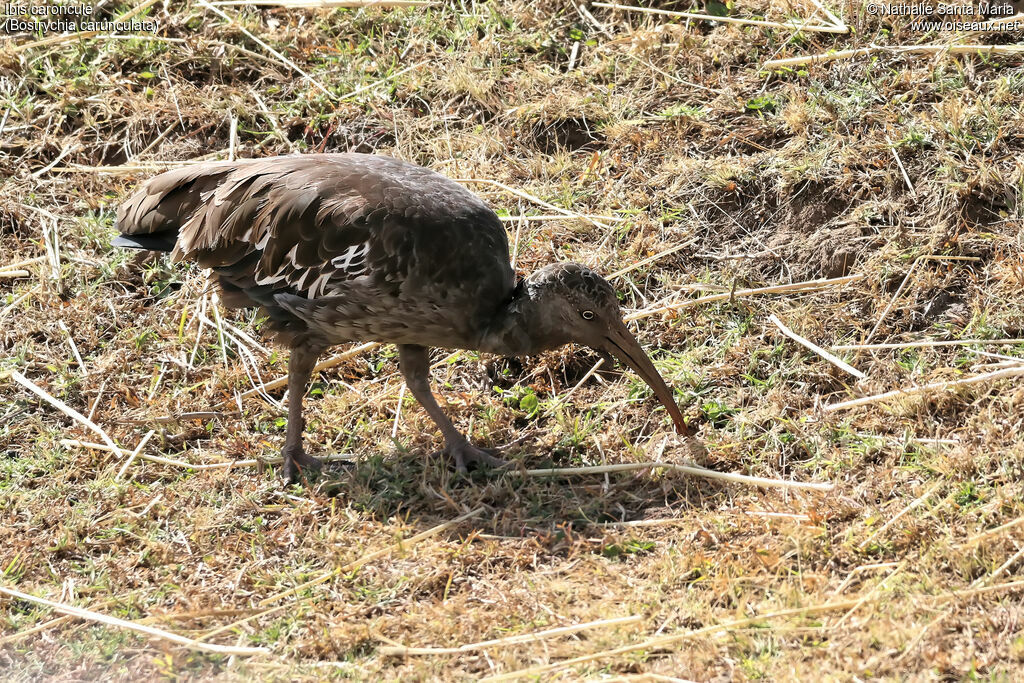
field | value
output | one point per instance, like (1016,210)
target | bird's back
(356,246)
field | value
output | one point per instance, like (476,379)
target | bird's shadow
(421,485)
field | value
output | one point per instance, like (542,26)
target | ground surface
(676,138)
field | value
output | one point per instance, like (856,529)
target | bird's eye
(587,315)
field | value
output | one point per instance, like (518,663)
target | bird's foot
(467,454)
(298,463)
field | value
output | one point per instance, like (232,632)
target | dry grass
(660,150)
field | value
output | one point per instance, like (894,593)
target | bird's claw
(468,454)
(297,463)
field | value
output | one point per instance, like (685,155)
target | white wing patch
(281,274)
(319,286)
(314,282)
(353,260)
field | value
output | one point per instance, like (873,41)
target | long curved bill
(626,348)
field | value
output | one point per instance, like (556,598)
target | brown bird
(355,247)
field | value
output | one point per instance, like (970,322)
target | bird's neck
(520,327)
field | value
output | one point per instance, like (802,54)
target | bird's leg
(415,367)
(300,368)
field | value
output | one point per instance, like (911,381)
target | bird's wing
(306,225)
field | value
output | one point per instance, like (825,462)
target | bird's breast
(425,320)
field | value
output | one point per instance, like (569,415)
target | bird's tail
(153,216)
(162,241)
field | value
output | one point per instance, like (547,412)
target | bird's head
(578,305)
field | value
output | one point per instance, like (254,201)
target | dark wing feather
(330,225)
